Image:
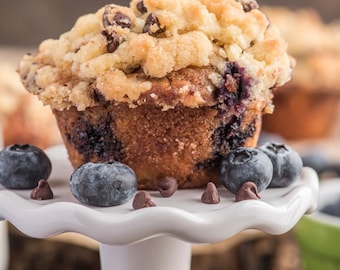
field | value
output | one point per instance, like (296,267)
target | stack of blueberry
(245,172)
(24,166)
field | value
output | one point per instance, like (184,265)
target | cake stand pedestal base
(159,253)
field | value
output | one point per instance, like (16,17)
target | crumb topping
(120,52)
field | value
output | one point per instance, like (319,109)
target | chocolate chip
(210,195)
(141,8)
(248,191)
(42,191)
(113,40)
(122,20)
(142,199)
(167,186)
(152,25)
(107,15)
(249,5)
(112,17)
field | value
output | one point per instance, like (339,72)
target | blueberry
(245,165)
(316,160)
(287,163)
(332,209)
(103,184)
(319,161)
(22,166)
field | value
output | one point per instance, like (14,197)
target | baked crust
(183,143)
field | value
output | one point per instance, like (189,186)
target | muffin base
(183,143)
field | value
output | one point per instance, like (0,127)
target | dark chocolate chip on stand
(210,195)
(42,191)
(167,186)
(248,191)
(142,199)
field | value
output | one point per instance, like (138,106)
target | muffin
(308,106)
(166,87)
(24,118)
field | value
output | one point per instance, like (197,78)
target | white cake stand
(156,238)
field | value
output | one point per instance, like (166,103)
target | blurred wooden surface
(251,250)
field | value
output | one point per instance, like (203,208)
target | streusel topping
(120,53)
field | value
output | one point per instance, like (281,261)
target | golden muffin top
(123,53)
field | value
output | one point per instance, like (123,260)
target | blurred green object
(319,243)
(318,234)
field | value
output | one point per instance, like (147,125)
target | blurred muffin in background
(308,106)
(24,118)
